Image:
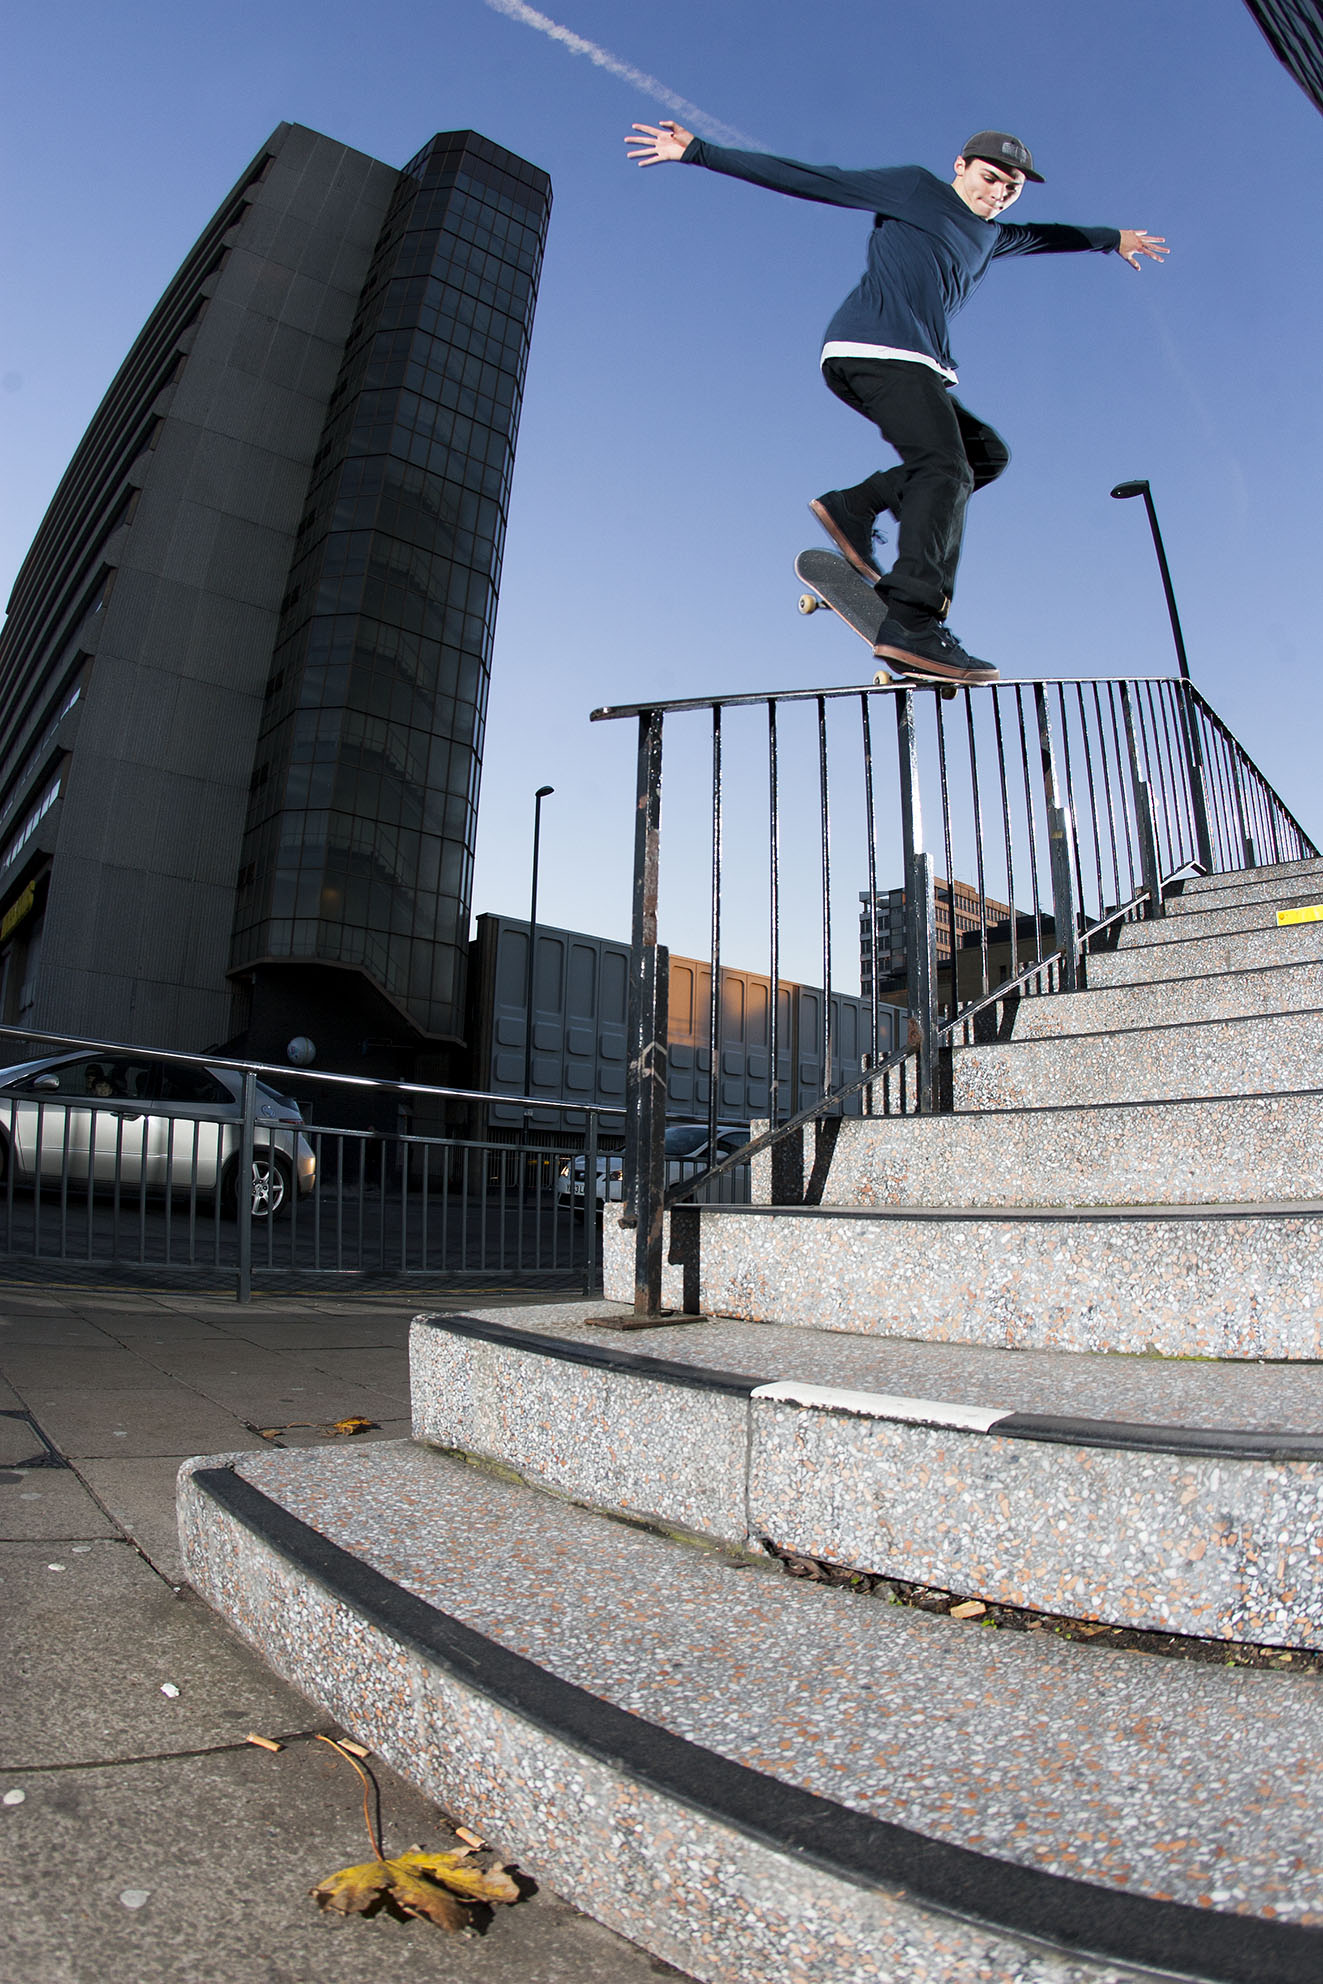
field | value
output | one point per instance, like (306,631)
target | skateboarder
(886,355)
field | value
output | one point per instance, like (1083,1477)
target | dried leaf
(353,1426)
(458,1872)
(418,1884)
(973,1608)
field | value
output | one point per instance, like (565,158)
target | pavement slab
(139,1495)
(49,1502)
(243,1915)
(164,1418)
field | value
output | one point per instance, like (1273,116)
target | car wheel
(272,1187)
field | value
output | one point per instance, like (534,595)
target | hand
(656,143)
(1134,243)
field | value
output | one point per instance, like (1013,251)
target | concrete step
(1180,955)
(759,1780)
(1191,1504)
(1224,995)
(1262,1055)
(1232,891)
(1246,1149)
(1271,872)
(1202,1282)
(1227,918)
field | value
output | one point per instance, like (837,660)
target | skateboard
(836,584)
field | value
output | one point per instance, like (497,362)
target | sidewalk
(153,1844)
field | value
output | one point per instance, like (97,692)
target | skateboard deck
(835,584)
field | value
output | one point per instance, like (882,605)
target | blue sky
(675,424)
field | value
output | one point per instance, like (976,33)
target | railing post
(1148,846)
(920,910)
(243,1188)
(921,971)
(590,1204)
(645,1116)
(1145,823)
(1194,765)
(1064,902)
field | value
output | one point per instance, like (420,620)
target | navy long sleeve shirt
(926,254)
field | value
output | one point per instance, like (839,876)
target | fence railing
(115,1155)
(1020,827)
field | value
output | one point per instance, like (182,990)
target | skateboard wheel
(809,602)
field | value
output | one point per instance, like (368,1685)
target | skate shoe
(852,535)
(929,652)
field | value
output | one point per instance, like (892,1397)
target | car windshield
(685,1139)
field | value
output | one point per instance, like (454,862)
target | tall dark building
(244,676)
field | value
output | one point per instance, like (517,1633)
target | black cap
(1000,148)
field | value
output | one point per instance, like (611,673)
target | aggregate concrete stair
(761,1781)
(1061,1350)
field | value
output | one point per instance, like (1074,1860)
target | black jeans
(945,454)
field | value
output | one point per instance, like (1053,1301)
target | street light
(1121,492)
(543,792)
(1194,750)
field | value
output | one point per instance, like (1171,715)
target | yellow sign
(17,910)
(1311,913)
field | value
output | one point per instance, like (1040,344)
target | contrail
(688,113)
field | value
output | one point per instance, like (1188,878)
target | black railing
(1057,810)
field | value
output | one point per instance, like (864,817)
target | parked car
(686,1156)
(151,1124)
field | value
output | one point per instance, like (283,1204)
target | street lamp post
(1194,755)
(1121,491)
(543,792)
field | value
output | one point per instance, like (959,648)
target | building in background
(243,679)
(882,953)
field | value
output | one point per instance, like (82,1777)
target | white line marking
(882,1405)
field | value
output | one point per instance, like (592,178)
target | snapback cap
(1000,148)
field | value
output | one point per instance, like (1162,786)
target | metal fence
(1058,810)
(118,1156)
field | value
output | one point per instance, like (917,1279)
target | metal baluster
(1153,757)
(1107,794)
(1128,834)
(774,924)
(1059,836)
(944,794)
(1182,793)
(870,828)
(1071,807)
(714,990)
(824,816)
(1145,830)
(645,1157)
(1093,797)
(1033,838)
(1007,836)
(978,861)
(920,921)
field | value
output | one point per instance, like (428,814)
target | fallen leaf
(353,1426)
(1087,1632)
(973,1608)
(418,1884)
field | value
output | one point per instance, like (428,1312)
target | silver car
(151,1125)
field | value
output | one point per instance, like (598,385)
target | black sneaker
(929,652)
(851,535)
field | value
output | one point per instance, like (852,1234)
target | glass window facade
(363,810)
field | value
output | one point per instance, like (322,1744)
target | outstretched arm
(885,190)
(1135,242)
(655,144)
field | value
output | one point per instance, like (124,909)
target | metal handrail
(1134,779)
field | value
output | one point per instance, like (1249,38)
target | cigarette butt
(264,1742)
(354,1749)
(469,1838)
